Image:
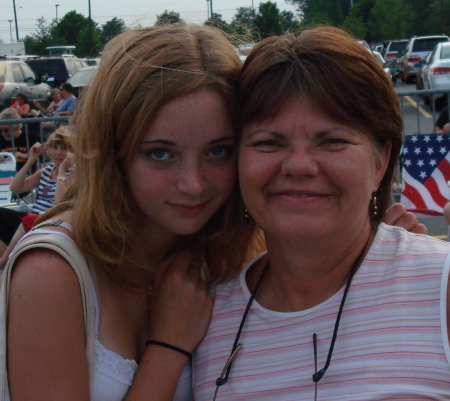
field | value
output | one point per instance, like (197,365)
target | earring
(374,205)
(246,216)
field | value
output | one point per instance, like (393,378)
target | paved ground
(437,226)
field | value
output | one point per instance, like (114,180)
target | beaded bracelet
(172,347)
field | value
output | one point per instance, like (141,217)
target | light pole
(90,29)
(15,19)
(210,3)
(56,6)
(10,28)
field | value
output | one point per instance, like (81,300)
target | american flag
(426,171)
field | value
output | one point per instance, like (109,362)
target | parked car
(420,67)
(394,49)
(17,77)
(56,70)
(436,71)
(381,60)
(417,49)
(82,78)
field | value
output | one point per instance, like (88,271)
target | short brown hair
(62,136)
(340,78)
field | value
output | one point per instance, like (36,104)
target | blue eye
(159,154)
(219,152)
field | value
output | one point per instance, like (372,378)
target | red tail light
(391,55)
(1,87)
(414,59)
(441,70)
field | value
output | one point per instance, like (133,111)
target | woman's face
(304,175)
(57,153)
(184,168)
(56,97)
(20,100)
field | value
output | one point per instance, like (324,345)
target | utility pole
(15,19)
(210,3)
(207,8)
(90,29)
(56,5)
(10,29)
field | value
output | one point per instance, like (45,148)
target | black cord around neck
(319,374)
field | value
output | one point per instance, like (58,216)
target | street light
(90,29)
(56,5)
(10,29)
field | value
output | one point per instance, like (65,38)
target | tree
(391,19)
(89,41)
(168,17)
(243,20)
(216,21)
(268,20)
(37,42)
(69,28)
(354,24)
(112,28)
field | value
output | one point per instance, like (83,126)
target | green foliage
(39,40)
(354,24)
(391,19)
(70,27)
(112,28)
(217,22)
(89,43)
(243,21)
(168,17)
(268,20)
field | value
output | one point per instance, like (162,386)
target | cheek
(224,179)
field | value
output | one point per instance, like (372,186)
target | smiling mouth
(189,210)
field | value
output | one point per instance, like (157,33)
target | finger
(420,229)
(394,213)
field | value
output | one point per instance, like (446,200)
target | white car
(436,72)
(381,60)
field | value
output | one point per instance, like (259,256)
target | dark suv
(56,70)
(17,77)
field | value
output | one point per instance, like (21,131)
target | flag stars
(407,163)
(432,162)
(417,151)
(427,138)
(414,138)
(420,163)
(430,151)
(439,138)
(443,150)
(423,175)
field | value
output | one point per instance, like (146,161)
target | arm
(46,329)
(397,215)
(39,106)
(23,183)
(62,179)
(179,315)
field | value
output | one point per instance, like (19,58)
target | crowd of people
(238,224)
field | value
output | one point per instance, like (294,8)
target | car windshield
(397,46)
(81,78)
(426,45)
(53,68)
(2,70)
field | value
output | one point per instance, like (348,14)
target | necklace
(317,376)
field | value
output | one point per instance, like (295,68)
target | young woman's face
(57,153)
(56,97)
(184,168)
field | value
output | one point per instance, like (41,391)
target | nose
(191,178)
(300,163)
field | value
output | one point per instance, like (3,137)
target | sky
(133,12)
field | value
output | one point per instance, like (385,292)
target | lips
(189,209)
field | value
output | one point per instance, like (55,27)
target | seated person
(21,104)
(69,102)
(46,180)
(14,140)
(57,99)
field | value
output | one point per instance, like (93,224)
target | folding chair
(7,173)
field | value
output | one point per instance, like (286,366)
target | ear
(382,164)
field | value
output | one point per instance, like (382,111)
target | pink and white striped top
(392,341)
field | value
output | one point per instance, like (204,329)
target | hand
(67,163)
(36,103)
(397,215)
(180,307)
(35,151)
(57,114)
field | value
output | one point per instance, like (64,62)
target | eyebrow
(277,134)
(167,142)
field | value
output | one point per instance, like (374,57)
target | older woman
(342,306)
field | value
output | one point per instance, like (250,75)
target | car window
(17,72)
(2,70)
(52,67)
(397,46)
(28,73)
(81,78)
(445,52)
(426,45)
(78,65)
(70,66)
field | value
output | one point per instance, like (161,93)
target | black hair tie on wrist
(172,347)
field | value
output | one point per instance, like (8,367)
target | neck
(301,277)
